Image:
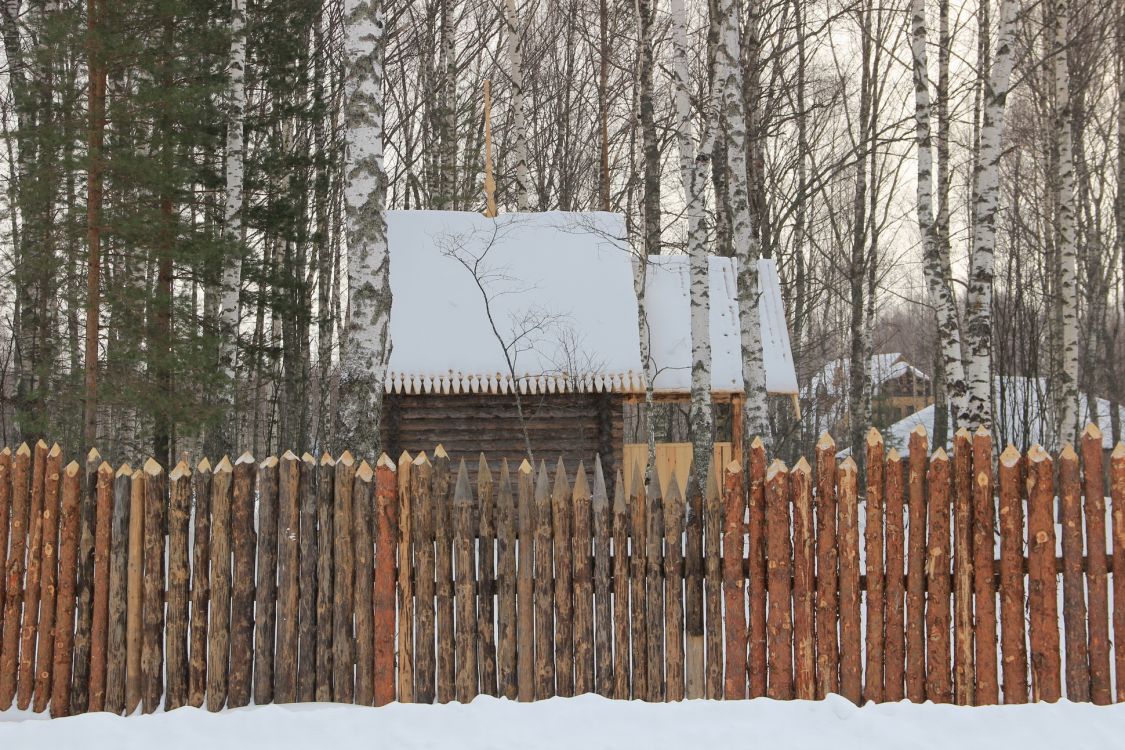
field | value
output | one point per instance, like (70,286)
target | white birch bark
(519,105)
(366,348)
(732,118)
(640,275)
(1066,387)
(941,294)
(695,169)
(986,194)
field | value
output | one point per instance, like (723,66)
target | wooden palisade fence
(293,579)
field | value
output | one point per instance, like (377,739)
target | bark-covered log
(486,588)
(343,579)
(383,598)
(916,568)
(673,596)
(1117,499)
(582,560)
(779,620)
(1013,632)
(99,630)
(827,565)
(525,585)
(405,582)
(152,633)
(734,593)
(620,587)
(33,578)
(218,630)
(134,600)
(544,589)
(200,583)
(421,505)
(442,496)
(873,686)
(713,578)
(562,516)
(984,582)
(938,682)
(756,573)
(176,631)
(895,662)
(68,564)
(963,670)
(1096,571)
(265,590)
(44,653)
(654,591)
(244,542)
(288,577)
(851,665)
(1074,583)
(804,575)
(325,492)
(603,610)
(464,554)
(507,684)
(84,608)
(1042,587)
(5,518)
(307,623)
(693,573)
(363,519)
(638,550)
(14,575)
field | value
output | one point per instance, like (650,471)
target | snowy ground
(586,722)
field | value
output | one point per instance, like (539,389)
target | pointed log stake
(620,580)
(288,576)
(734,593)
(68,563)
(405,583)
(200,584)
(134,599)
(1074,584)
(875,648)
(603,593)
(561,518)
(218,629)
(49,587)
(14,573)
(152,641)
(507,683)
(244,541)
(583,584)
(638,550)
(674,586)
(486,560)
(386,540)
(265,589)
(654,591)
(5,517)
(1043,620)
(963,670)
(467,684)
(1117,498)
(779,621)
(1013,635)
(176,633)
(343,574)
(442,484)
(756,574)
(30,628)
(984,583)
(895,669)
(827,565)
(84,607)
(325,545)
(804,573)
(938,683)
(422,508)
(1094,509)
(525,591)
(693,583)
(99,634)
(544,589)
(713,579)
(916,568)
(309,585)
(851,665)
(363,518)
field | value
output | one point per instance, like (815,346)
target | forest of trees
(191,191)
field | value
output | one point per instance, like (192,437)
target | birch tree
(986,194)
(695,170)
(646,116)
(514,44)
(366,347)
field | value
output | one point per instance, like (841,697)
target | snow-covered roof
(554,292)
(667,302)
(833,377)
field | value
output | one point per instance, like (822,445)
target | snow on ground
(587,722)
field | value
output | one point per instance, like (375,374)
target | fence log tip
(308,458)
(223,465)
(204,465)
(1092,431)
(105,468)
(802,465)
(962,434)
(1067,453)
(346,458)
(364,472)
(920,429)
(421,459)
(23,450)
(848,465)
(982,431)
(939,455)
(775,468)
(757,444)
(1037,454)
(618,490)
(825,441)
(385,460)
(181,470)
(91,457)
(41,444)
(581,485)
(525,467)
(482,467)
(542,487)
(71,468)
(462,492)
(439,451)
(562,483)
(893,455)
(269,462)
(245,458)
(734,467)
(288,456)
(404,457)
(125,471)
(874,437)
(1118,451)
(56,449)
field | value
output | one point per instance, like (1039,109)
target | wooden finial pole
(489,180)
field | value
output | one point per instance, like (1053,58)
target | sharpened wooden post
(544,589)
(916,568)
(779,621)
(118,592)
(827,566)
(713,583)
(152,633)
(422,509)
(895,666)
(405,582)
(200,584)
(1043,619)
(486,590)
(734,593)
(99,634)
(442,495)
(582,560)
(1013,634)
(1074,584)
(288,577)
(386,542)
(804,574)
(875,648)
(134,601)
(525,591)
(68,564)
(938,683)
(561,517)
(343,575)
(464,553)
(984,583)
(508,517)
(49,582)
(30,627)
(244,541)
(1117,500)
(620,585)
(756,572)
(693,583)
(176,631)
(307,623)
(363,517)
(325,546)
(673,594)
(84,607)
(265,589)
(603,592)
(5,518)
(1097,569)
(851,664)
(218,630)
(14,573)
(654,591)
(638,565)
(963,670)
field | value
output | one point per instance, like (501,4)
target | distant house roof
(833,377)
(554,292)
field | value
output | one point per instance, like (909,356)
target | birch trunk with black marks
(646,115)
(514,50)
